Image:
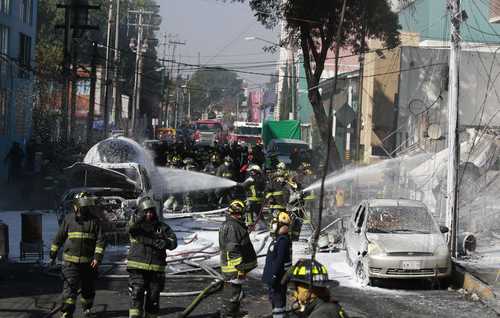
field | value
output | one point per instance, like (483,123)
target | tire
(362,274)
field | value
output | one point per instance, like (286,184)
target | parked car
(396,238)
(284,148)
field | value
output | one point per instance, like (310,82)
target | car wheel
(362,274)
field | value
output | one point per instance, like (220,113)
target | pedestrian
(237,257)
(83,240)
(14,159)
(311,295)
(278,262)
(149,240)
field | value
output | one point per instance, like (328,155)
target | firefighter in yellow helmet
(83,240)
(278,262)
(149,240)
(237,257)
(310,284)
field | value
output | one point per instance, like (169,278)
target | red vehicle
(246,133)
(208,132)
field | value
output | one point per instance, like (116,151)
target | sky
(217,30)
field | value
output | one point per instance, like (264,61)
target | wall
(423,99)
(431,19)
(379,98)
(19,90)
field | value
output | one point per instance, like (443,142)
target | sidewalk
(481,275)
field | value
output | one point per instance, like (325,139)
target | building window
(3,112)
(24,54)
(25,11)
(4,47)
(5,7)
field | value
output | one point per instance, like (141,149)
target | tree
(314,26)
(214,86)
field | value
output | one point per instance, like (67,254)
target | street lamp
(292,79)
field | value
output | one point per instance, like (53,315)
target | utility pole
(164,81)
(93,82)
(117,110)
(107,69)
(453,140)
(172,63)
(293,84)
(143,20)
(75,22)
(136,97)
(66,68)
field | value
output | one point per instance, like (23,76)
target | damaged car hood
(86,175)
(416,243)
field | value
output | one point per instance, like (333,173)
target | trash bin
(31,235)
(4,241)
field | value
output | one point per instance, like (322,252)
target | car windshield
(287,148)
(401,219)
(209,127)
(251,131)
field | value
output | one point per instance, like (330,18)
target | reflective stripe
(133,240)
(151,315)
(276,193)
(134,312)
(99,250)
(310,197)
(279,312)
(54,248)
(234,262)
(228,269)
(276,206)
(81,235)
(287,266)
(145,266)
(70,301)
(341,313)
(227,175)
(76,259)
(255,199)
(303,271)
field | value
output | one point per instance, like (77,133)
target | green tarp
(289,129)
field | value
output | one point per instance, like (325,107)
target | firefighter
(149,240)
(255,186)
(225,170)
(237,255)
(83,240)
(278,262)
(277,195)
(311,295)
(211,166)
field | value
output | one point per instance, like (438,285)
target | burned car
(117,187)
(396,239)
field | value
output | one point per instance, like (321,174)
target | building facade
(17,50)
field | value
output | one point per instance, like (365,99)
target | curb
(461,278)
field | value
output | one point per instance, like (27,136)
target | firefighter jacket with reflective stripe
(277,195)
(319,308)
(278,260)
(255,191)
(82,238)
(148,244)
(236,250)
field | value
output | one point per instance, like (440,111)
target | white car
(396,239)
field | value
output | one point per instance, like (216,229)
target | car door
(350,232)
(358,234)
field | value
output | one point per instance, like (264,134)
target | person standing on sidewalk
(237,255)
(149,240)
(278,262)
(84,244)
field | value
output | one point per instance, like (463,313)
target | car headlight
(442,250)
(374,249)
